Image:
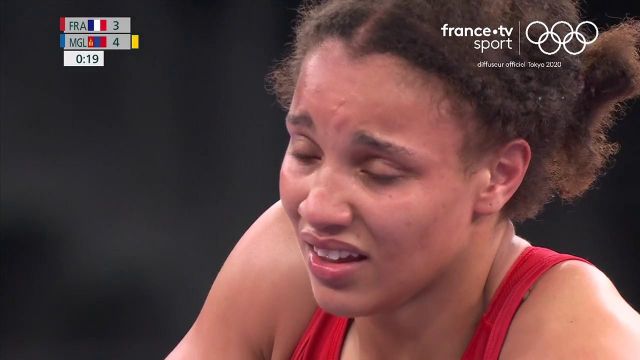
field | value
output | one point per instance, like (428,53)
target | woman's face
(372,180)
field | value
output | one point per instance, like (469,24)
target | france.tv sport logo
(550,34)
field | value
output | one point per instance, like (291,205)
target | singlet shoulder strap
(491,332)
(323,337)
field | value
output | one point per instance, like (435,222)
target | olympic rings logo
(562,43)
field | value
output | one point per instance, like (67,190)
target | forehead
(378,93)
(330,69)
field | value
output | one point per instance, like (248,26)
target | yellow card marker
(135,41)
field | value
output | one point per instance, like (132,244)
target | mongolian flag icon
(97,41)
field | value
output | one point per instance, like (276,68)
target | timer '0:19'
(89,59)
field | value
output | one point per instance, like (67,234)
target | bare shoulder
(574,312)
(261,299)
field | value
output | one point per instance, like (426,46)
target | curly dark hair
(563,113)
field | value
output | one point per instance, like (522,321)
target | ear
(506,169)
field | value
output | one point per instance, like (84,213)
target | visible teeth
(333,254)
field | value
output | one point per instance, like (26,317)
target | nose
(326,208)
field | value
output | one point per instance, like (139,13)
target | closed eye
(305,158)
(381,179)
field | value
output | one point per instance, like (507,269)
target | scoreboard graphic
(84,39)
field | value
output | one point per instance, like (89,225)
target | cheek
(404,224)
(422,220)
(293,189)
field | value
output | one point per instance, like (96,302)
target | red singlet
(324,336)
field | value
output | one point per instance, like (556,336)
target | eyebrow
(369,140)
(303,120)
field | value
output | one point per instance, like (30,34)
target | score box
(83,25)
(84,58)
(103,42)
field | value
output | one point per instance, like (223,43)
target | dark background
(123,188)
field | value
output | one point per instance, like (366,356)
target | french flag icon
(97,25)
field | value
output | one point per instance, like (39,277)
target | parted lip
(329,243)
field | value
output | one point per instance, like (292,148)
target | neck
(440,321)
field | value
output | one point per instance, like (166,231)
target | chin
(344,302)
